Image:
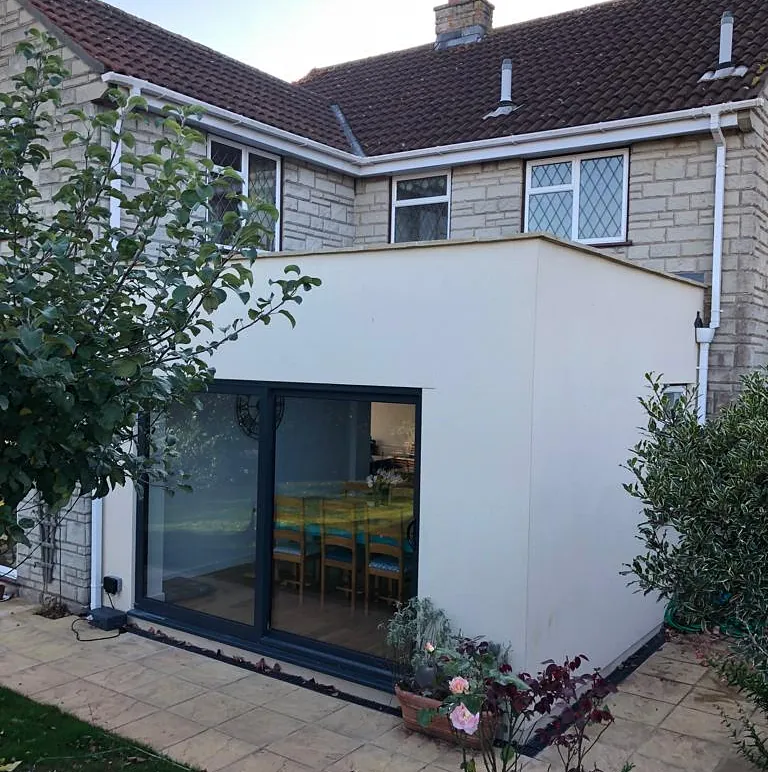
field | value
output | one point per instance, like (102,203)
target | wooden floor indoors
(230,595)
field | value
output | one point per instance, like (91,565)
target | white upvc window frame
(245,151)
(575,187)
(395,204)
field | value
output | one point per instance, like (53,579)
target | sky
(287,38)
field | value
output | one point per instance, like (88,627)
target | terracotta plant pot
(440,726)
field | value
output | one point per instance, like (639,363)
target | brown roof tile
(617,60)
(606,62)
(126,44)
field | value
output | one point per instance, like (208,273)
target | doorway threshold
(199,642)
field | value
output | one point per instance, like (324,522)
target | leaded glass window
(583,198)
(601,196)
(552,213)
(260,178)
(420,209)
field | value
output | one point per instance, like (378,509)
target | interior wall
(322,441)
(393,425)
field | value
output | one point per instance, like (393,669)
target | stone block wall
(83,85)
(487,200)
(372,211)
(318,208)
(671,228)
(58,564)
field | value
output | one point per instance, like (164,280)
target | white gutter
(592,136)
(261,133)
(705,335)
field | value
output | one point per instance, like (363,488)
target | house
(635,129)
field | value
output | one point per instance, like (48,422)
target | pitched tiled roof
(605,62)
(616,60)
(126,44)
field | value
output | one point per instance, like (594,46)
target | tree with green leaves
(102,324)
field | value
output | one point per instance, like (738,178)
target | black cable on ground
(74,629)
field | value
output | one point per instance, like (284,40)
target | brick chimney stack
(462,21)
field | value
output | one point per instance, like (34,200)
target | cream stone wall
(318,208)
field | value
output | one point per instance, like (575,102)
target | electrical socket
(113,585)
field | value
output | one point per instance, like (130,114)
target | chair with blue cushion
(385,558)
(338,542)
(289,539)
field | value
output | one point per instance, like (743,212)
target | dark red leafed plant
(579,701)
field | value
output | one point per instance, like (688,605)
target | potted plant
(430,661)
(414,633)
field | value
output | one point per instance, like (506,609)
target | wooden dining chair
(338,542)
(289,540)
(384,557)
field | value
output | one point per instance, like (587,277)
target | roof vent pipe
(506,82)
(726,40)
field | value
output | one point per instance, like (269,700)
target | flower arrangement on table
(382,482)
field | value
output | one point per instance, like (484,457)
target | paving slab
(223,718)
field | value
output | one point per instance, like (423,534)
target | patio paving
(217,716)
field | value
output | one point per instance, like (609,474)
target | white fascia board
(571,139)
(574,139)
(218,120)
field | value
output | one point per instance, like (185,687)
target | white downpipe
(97,548)
(717,242)
(97,505)
(706,335)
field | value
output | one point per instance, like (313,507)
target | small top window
(581,198)
(420,208)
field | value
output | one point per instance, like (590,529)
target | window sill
(609,244)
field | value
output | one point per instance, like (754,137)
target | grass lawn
(44,739)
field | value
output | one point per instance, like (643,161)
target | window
(420,208)
(261,178)
(582,198)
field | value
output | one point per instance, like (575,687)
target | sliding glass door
(202,526)
(291,519)
(343,524)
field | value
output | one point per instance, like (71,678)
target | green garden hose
(730,628)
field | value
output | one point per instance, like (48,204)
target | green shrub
(704,491)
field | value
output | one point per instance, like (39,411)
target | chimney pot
(462,21)
(726,40)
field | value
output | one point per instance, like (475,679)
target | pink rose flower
(463,719)
(458,685)
(429,647)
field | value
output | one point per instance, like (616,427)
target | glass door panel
(343,541)
(201,541)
